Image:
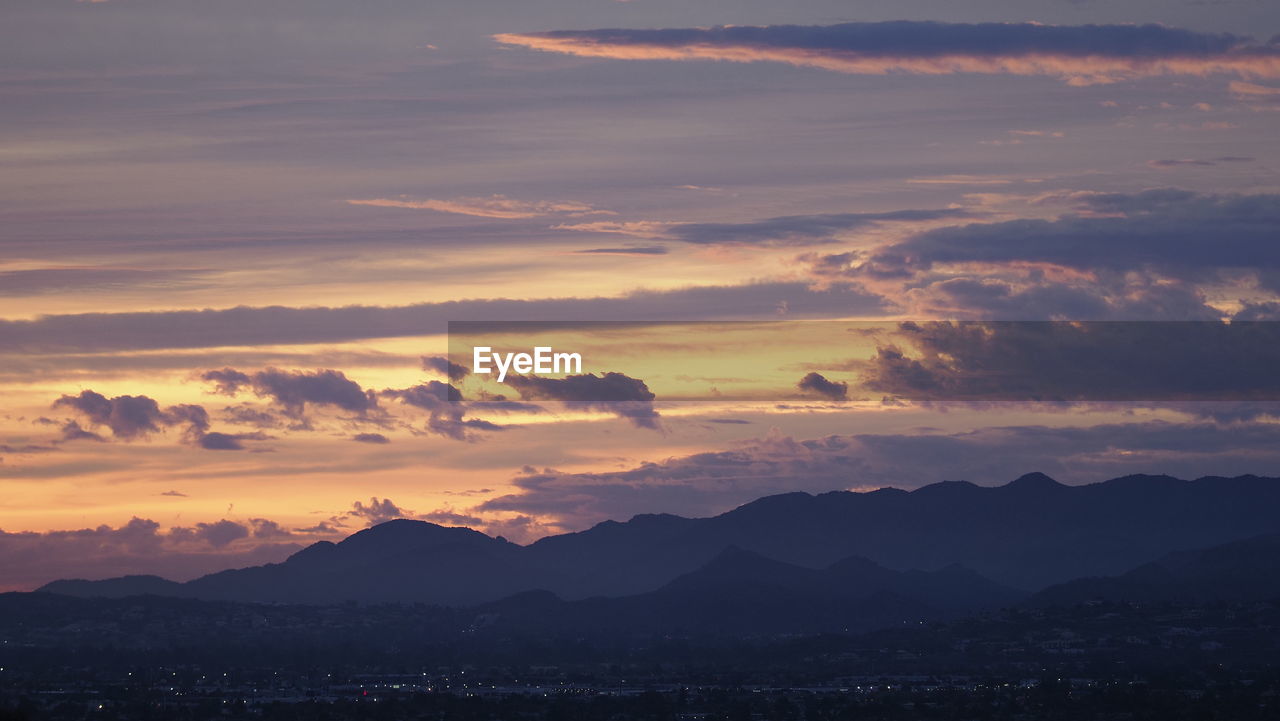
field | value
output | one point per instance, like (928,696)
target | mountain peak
(402,534)
(1034,480)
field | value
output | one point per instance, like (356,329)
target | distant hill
(741,592)
(1237,571)
(121,587)
(1027,534)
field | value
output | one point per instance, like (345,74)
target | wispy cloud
(1250,89)
(1165,164)
(780,230)
(494,206)
(1083,55)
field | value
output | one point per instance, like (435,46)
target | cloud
(378,511)
(246,415)
(139,546)
(1082,54)
(375,438)
(802,229)
(1174,232)
(615,393)
(494,206)
(445,367)
(266,528)
(218,534)
(228,441)
(446,413)
(1138,361)
(1131,296)
(132,417)
(26,448)
(276,325)
(1252,90)
(815,383)
(634,250)
(294,390)
(220,442)
(71,431)
(135,417)
(1173,163)
(48,281)
(778,231)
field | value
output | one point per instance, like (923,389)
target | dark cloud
(376,438)
(1175,233)
(132,417)
(71,431)
(245,414)
(227,381)
(216,441)
(445,367)
(1080,361)
(615,393)
(1176,162)
(1131,296)
(294,390)
(446,517)
(266,528)
(816,383)
(1267,310)
(446,412)
(46,281)
(378,511)
(1082,54)
(26,448)
(634,250)
(220,442)
(800,229)
(127,416)
(218,534)
(277,325)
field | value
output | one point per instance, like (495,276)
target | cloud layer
(1084,54)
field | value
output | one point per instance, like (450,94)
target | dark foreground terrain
(792,607)
(154,658)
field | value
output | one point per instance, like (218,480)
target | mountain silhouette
(1028,534)
(742,592)
(1245,570)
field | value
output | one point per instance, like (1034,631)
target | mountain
(116,587)
(741,592)
(1027,534)
(1239,571)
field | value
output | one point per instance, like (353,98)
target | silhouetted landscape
(1025,535)
(1140,597)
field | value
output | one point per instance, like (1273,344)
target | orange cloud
(1082,55)
(494,206)
(1249,89)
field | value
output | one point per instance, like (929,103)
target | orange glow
(1087,70)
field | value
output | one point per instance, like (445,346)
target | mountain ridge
(1028,534)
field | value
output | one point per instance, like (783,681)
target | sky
(234,232)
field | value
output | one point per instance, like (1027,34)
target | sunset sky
(234,232)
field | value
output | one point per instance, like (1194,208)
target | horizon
(400,520)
